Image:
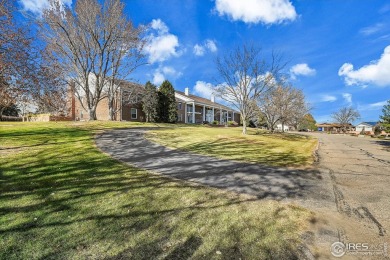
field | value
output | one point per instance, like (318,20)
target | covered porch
(197,113)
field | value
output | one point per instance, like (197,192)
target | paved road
(129,145)
(360,175)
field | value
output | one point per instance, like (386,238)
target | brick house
(129,111)
(190,108)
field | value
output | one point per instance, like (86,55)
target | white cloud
(163,73)
(301,69)
(372,29)
(158,77)
(161,45)
(37,6)
(200,49)
(203,89)
(378,104)
(347,97)
(210,44)
(256,11)
(328,98)
(372,106)
(377,72)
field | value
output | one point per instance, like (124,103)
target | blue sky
(338,52)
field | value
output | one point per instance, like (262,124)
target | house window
(133,113)
(179,106)
(180,117)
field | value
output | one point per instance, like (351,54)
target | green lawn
(228,143)
(62,198)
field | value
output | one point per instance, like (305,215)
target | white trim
(185,113)
(184,98)
(204,113)
(136,113)
(193,112)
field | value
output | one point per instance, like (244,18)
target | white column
(213,115)
(220,115)
(185,113)
(193,113)
(204,113)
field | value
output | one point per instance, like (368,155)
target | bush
(215,122)
(377,131)
(232,123)
(205,122)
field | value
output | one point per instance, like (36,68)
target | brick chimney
(187,91)
(212,98)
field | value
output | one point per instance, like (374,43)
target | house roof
(332,125)
(368,123)
(205,101)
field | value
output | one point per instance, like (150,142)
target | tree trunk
(244,125)
(282,127)
(147,115)
(92,113)
(111,113)
(1,113)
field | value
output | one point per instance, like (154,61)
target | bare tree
(293,107)
(267,105)
(245,76)
(17,57)
(345,116)
(283,104)
(95,45)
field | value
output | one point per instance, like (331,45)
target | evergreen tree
(385,117)
(150,102)
(167,111)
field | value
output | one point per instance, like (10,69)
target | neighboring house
(190,108)
(285,128)
(366,127)
(334,127)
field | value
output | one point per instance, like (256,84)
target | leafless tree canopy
(346,115)
(246,75)
(283,104)
(94,45)
(16,57)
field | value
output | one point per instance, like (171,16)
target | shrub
(215,122)
(205,122)
(231,123)
(377,131)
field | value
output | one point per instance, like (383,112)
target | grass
(61,198)
(228,143)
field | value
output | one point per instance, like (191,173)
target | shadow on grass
(64,199)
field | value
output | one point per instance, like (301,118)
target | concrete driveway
(130,146)
(359,169)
